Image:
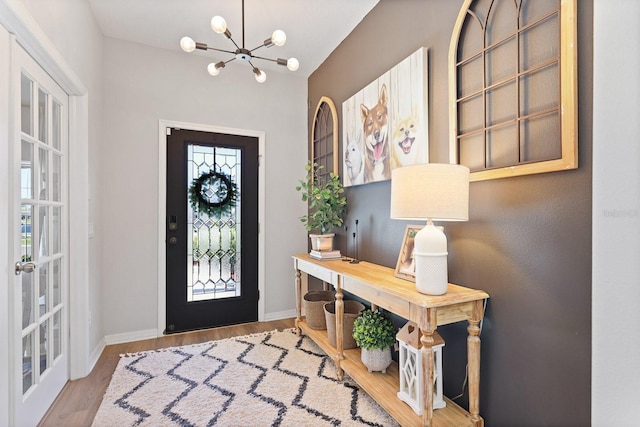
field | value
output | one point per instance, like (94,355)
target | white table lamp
(431,192)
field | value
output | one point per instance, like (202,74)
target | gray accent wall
(528,241)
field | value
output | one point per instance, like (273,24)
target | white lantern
(411,368)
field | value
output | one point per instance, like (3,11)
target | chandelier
(219,25)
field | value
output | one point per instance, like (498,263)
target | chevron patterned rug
(269,379)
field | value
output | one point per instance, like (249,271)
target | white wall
(143,85)
(616,214)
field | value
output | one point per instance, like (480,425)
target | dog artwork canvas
(385,123)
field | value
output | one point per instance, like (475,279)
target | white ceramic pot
(376,360)
(322,242)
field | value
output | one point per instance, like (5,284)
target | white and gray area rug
(269,379)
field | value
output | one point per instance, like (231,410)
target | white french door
(38,217)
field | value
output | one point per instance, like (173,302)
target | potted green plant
(374,333)
(327,205)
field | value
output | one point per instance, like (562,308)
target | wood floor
(77,404)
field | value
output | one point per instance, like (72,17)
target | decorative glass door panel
(214,251)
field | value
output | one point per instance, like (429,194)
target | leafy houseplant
(374,329)
(325,195)
(374,333)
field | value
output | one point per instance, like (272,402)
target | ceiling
(314,28)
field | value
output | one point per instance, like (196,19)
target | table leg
(339,330)
(298,284)
(428,328)
(473,355)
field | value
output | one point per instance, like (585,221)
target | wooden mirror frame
(568,100)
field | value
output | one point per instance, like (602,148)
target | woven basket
(352,310)
(314,302)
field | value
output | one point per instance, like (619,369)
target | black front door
(212,230)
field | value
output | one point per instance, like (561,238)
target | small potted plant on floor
(327,205)
(374,333)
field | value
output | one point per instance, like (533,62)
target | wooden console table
(381,288)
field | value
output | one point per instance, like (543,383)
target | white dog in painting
(354,160)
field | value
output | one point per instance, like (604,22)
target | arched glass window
(513,87)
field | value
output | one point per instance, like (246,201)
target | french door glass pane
(56,230)
(26,114)
(43,295)
(44,345)
(28,313)
(42,116)
(214,245)
(56,281)
(44,172)
(56,131)
(56,177)
(27,362)
(26,230)
(43,241)
(26,170)
(57,339)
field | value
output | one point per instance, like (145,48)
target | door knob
(27,267)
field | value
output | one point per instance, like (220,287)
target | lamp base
(431,260)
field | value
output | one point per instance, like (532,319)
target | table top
(383,279)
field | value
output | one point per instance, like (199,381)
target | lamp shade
(435,191)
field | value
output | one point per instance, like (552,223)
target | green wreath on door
(213,193)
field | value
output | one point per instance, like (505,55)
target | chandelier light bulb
(218,24)
(278,37)
(213,70)
(187,44)
(293,64)
(260,75)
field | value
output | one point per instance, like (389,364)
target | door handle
(27,267)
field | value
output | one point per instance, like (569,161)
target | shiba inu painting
(375,126)
(386,123)
(405,147)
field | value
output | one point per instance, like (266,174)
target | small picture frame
(405,267)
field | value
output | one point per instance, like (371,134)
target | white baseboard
(279,315)
(153,333)
(96,353)
(130,336)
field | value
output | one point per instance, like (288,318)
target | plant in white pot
(327,205)
(375,334)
